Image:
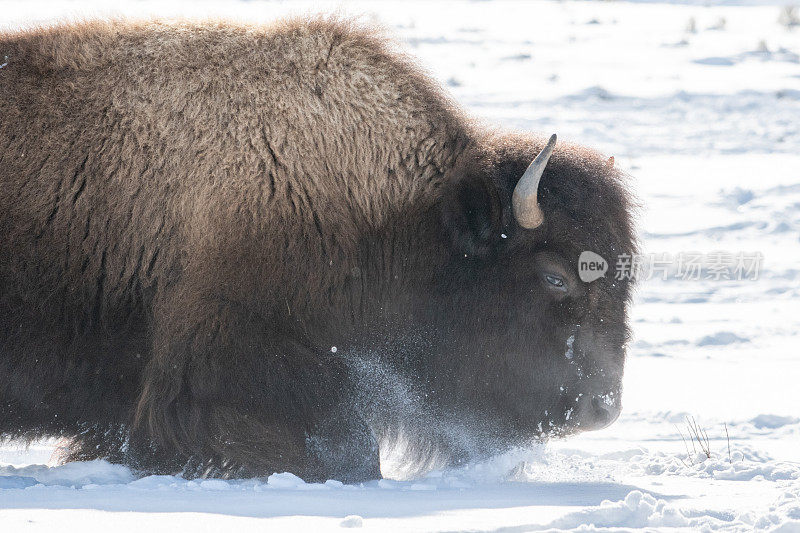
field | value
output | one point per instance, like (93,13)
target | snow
(701,104)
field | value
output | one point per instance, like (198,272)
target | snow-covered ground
(702,106)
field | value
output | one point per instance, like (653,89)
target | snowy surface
(702,106)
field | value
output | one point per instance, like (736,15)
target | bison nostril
(601,413)
(597,413)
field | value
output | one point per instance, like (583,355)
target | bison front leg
(225,396)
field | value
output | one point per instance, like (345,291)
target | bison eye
(555,281)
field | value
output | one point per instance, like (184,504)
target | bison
(233,249)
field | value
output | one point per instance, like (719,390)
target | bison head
(527,347)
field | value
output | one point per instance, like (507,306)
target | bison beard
(193,215)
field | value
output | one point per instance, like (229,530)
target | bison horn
(525,198)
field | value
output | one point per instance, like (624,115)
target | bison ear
(471,215)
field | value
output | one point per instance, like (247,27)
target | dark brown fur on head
(193,215)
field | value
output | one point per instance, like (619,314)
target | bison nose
(604,414)
(597,413)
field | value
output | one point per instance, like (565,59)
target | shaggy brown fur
(193,215)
